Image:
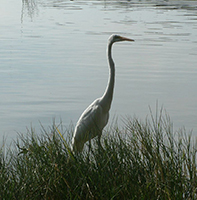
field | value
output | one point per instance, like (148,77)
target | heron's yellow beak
(127,39)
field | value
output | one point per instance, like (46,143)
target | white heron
(96,115)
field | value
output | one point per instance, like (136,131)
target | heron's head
(118,38)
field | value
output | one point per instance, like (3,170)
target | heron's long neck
(106,99)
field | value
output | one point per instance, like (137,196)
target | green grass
(141,160)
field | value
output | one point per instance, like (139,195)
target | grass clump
(145,160)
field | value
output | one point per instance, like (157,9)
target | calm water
(53,60)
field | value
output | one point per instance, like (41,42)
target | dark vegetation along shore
(141,160)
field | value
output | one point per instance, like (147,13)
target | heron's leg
(99,141)
(89,147)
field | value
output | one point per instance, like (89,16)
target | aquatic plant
(141,160)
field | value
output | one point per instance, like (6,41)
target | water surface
(53,60)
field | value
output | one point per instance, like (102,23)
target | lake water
(53,60)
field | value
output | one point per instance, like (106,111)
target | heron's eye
(117,37)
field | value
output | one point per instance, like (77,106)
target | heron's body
(91,124)
(96,115)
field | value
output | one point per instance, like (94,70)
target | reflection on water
(53,61)
(30,7)
(161,4)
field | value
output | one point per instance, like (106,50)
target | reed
(142,160)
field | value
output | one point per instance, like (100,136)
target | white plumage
(95,117)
